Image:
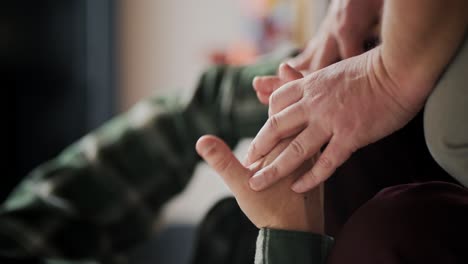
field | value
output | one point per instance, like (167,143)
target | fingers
(279,126)
(266,85)
(304,146)
(288,73)
(335,154)
(218,155)
(285,96)
(327,55)
(263,98)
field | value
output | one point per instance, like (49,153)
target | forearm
(418,40)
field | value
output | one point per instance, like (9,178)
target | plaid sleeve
(281,246)
(101,195)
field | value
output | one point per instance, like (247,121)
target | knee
(406,222)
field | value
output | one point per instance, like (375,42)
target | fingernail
(298,186)
(257,181)
(207,149)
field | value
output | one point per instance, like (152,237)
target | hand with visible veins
(359,100)
(348,29)
(277,207)
(344,105)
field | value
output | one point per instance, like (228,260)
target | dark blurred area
(58,62)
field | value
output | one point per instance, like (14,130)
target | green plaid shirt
(100,196)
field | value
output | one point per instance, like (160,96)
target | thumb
(288,73)
(218,155)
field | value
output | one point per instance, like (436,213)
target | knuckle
(311,179)
(273,123)
(314,179)
(223,164)
(325,162)
(298,148)
(271,174)
(273,99)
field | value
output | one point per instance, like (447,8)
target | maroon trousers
(392,203)
(409,223)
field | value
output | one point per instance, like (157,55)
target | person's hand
(350,26)
(344,106)
(278,207)
(264,86)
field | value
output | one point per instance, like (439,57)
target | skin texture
(343,33)
(340,119)
(277,207)
(346,29)
(264,86)
(359,100)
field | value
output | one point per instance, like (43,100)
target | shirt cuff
(292,247)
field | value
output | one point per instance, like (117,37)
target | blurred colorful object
(269,24)
(258,8)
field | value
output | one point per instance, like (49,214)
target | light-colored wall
(165,43)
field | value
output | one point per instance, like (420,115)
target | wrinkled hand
(344,106)
(350,28)
(278,207)
(346,29)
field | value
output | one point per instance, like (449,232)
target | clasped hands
(345,106)
(338,109)
(277,207)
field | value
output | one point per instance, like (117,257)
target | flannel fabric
(280,246)
(100,196)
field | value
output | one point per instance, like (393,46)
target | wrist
(310,219)
(418,40)
(399,78)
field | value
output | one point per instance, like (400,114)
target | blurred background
(68,66)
